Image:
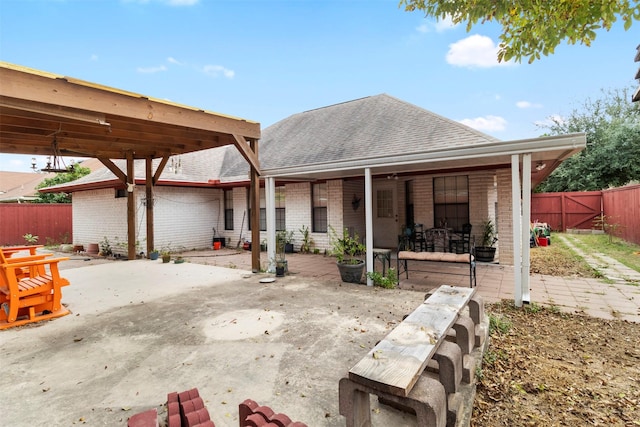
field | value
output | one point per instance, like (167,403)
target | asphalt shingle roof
(358,129)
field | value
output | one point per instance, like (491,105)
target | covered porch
(501,176)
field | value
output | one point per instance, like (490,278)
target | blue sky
(265,60)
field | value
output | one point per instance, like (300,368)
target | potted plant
(307,240)
(154,254)
(486,251)
(286,238)
(346,249)
(165,253)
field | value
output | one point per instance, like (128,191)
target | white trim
(368,212)
(517,223)
(525,227)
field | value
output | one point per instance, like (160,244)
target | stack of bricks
(187,409)
(253,415)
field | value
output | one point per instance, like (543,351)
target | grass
(560,260)
(618,249)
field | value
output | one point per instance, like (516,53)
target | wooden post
(131,207)
(255,212)
(149,203)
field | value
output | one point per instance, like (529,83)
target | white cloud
(554,119)
(475,51)
(216,70)
(439,25)
(486,123)
(527,104)
(172,60)
(151,70)
(93,57)
(445,24)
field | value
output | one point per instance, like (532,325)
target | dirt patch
(545,368)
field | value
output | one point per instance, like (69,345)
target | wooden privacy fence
(50,222)
(623,206)
(571,210)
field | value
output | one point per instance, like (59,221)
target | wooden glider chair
(30,289)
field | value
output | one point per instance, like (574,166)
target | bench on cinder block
(466,262)
(420,365)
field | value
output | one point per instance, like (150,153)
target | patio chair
(461,243)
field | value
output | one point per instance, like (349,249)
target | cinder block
(465,333)
(449,358)
(427,400)
(476,309)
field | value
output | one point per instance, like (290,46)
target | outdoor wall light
(540,166)
(355,202)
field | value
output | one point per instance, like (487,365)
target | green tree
(612,155)
(533,27)
(60,178)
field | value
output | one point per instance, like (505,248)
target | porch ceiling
(547,151)
(43,114)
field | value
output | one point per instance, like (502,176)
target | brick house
(324,168)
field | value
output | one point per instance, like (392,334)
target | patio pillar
(368,212)
(131,208)
(526,229)
(148,184)
(255,211)
(517,220)
(270,194)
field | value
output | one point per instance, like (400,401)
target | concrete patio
(141,329)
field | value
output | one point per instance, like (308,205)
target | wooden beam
(248,152)
(131,207)
(255,212)
(113,168)
(71,93)
(161,166)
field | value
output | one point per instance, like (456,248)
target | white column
(517,221)
(270,195)
(526,229)
(368,212)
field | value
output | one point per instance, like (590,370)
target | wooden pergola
(48,114)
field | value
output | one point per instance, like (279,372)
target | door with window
(385,214)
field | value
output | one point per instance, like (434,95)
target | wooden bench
(424,258)
(394,369)
(30,291)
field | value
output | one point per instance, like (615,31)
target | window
(319,207)
(451,201)
(263,210)
(384,207)
(408,190)
(281,223)
(228,209)
(121,192)
(280,209)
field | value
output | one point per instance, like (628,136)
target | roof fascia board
(567,144)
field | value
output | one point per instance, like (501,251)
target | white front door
(385,214)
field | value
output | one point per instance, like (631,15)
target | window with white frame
(228,209)
(319,207)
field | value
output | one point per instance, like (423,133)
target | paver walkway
(593,297)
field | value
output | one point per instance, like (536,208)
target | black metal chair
(461,243)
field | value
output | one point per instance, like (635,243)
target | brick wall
(183,219)
(505,217)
